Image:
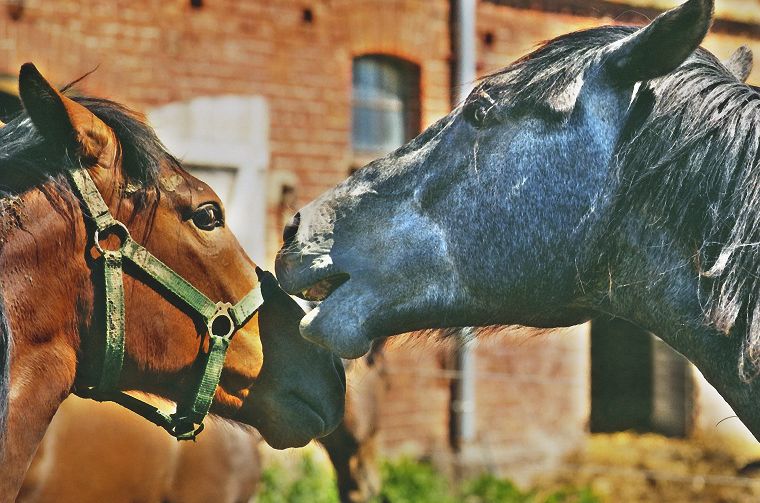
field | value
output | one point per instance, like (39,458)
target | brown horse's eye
(208,217)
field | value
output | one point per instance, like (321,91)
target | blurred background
(274,101)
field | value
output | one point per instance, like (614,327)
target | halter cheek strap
(222,320)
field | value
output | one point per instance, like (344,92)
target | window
(220,178)
(637,382)
(223,140)
(385,105)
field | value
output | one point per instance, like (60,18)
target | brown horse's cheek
(167,342)
(242,366)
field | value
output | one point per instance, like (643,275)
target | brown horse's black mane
(24,153)
(27,160)
(688,162)
(5,369)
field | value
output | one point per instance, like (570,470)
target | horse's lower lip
(290,421)
(313,424)
(323,288)
(342,334)
(319,420)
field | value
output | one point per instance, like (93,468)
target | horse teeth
(309,294)
(323,288)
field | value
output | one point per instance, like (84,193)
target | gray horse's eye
(480,114)
(475,114)
(477,110)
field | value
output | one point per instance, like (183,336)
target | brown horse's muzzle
(299,394)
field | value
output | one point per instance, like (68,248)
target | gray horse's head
(486,217)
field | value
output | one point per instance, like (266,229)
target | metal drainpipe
(462,404)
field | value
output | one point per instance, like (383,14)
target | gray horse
(614,170)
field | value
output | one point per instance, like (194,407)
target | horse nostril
(291,229)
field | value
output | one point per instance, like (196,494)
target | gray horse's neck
(651,282)
(717,357)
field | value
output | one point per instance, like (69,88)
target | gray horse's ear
(740,63)
(660,47)
(60,120)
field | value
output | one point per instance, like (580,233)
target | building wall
(533,401)
(414,409)
(150,53)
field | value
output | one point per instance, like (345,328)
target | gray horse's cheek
(398,242)
(511,224)
(417,249)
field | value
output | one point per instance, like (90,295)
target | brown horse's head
(289,389)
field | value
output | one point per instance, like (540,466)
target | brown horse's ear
(660,47)
(59,119)
(740,63)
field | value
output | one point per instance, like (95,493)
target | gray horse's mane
(688,161)
(693,164)
(550,77)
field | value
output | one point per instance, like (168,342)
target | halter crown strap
(222,320)
(90,195)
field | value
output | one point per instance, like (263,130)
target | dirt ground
(631,468)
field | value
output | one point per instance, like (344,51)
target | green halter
(222,320)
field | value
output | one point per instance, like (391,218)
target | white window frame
(228,132)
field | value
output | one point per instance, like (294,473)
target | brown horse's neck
(44,278)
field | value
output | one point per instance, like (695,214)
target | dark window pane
(385,104)
(637,381)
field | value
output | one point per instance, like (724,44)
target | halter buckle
(117,229)
(221,324)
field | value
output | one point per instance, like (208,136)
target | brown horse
(100,452)
(52,296)
(93,453)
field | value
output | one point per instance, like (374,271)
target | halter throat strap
(222,320)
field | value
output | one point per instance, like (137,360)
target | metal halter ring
(118,229)
(221,323)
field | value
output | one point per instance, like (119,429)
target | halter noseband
(221,318)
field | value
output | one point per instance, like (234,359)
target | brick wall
(151,53)
(531,403)
(414,415)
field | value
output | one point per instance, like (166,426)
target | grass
(310,483)
(406,481)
